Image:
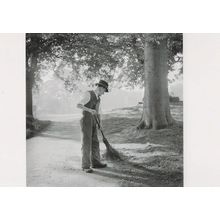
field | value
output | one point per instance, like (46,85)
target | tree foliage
(118,58)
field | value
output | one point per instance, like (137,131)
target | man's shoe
(99,165)
(88,170)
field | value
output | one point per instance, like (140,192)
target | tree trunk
(29,101)
(156,110)
(31,68)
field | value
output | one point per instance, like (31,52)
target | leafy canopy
(118,58)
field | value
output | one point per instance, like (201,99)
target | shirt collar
(96,95)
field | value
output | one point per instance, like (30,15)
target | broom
(111,153)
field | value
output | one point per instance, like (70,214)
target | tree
(38,47)
(32,54)
(132,59)
(156,109)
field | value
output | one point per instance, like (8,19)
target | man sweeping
(90,105)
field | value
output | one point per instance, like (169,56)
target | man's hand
(99,121)
(100,125)
(93,112)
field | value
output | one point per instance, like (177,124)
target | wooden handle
(97,121)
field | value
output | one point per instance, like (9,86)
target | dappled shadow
(133,174)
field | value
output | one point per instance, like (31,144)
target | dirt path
(53,161)
(54,156)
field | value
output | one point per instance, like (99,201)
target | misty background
(53,101)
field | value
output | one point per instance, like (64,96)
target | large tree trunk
(156,110)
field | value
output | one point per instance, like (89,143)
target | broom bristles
(111,153)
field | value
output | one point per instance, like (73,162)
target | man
(90,104)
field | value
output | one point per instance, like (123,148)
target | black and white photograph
(104,109)
(110,106)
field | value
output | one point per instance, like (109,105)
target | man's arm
(99,113)
(92,111)
(84,101)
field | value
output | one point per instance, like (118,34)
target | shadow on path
(131,174)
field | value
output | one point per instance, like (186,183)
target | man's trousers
(90,142)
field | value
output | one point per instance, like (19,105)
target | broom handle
(97,121)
